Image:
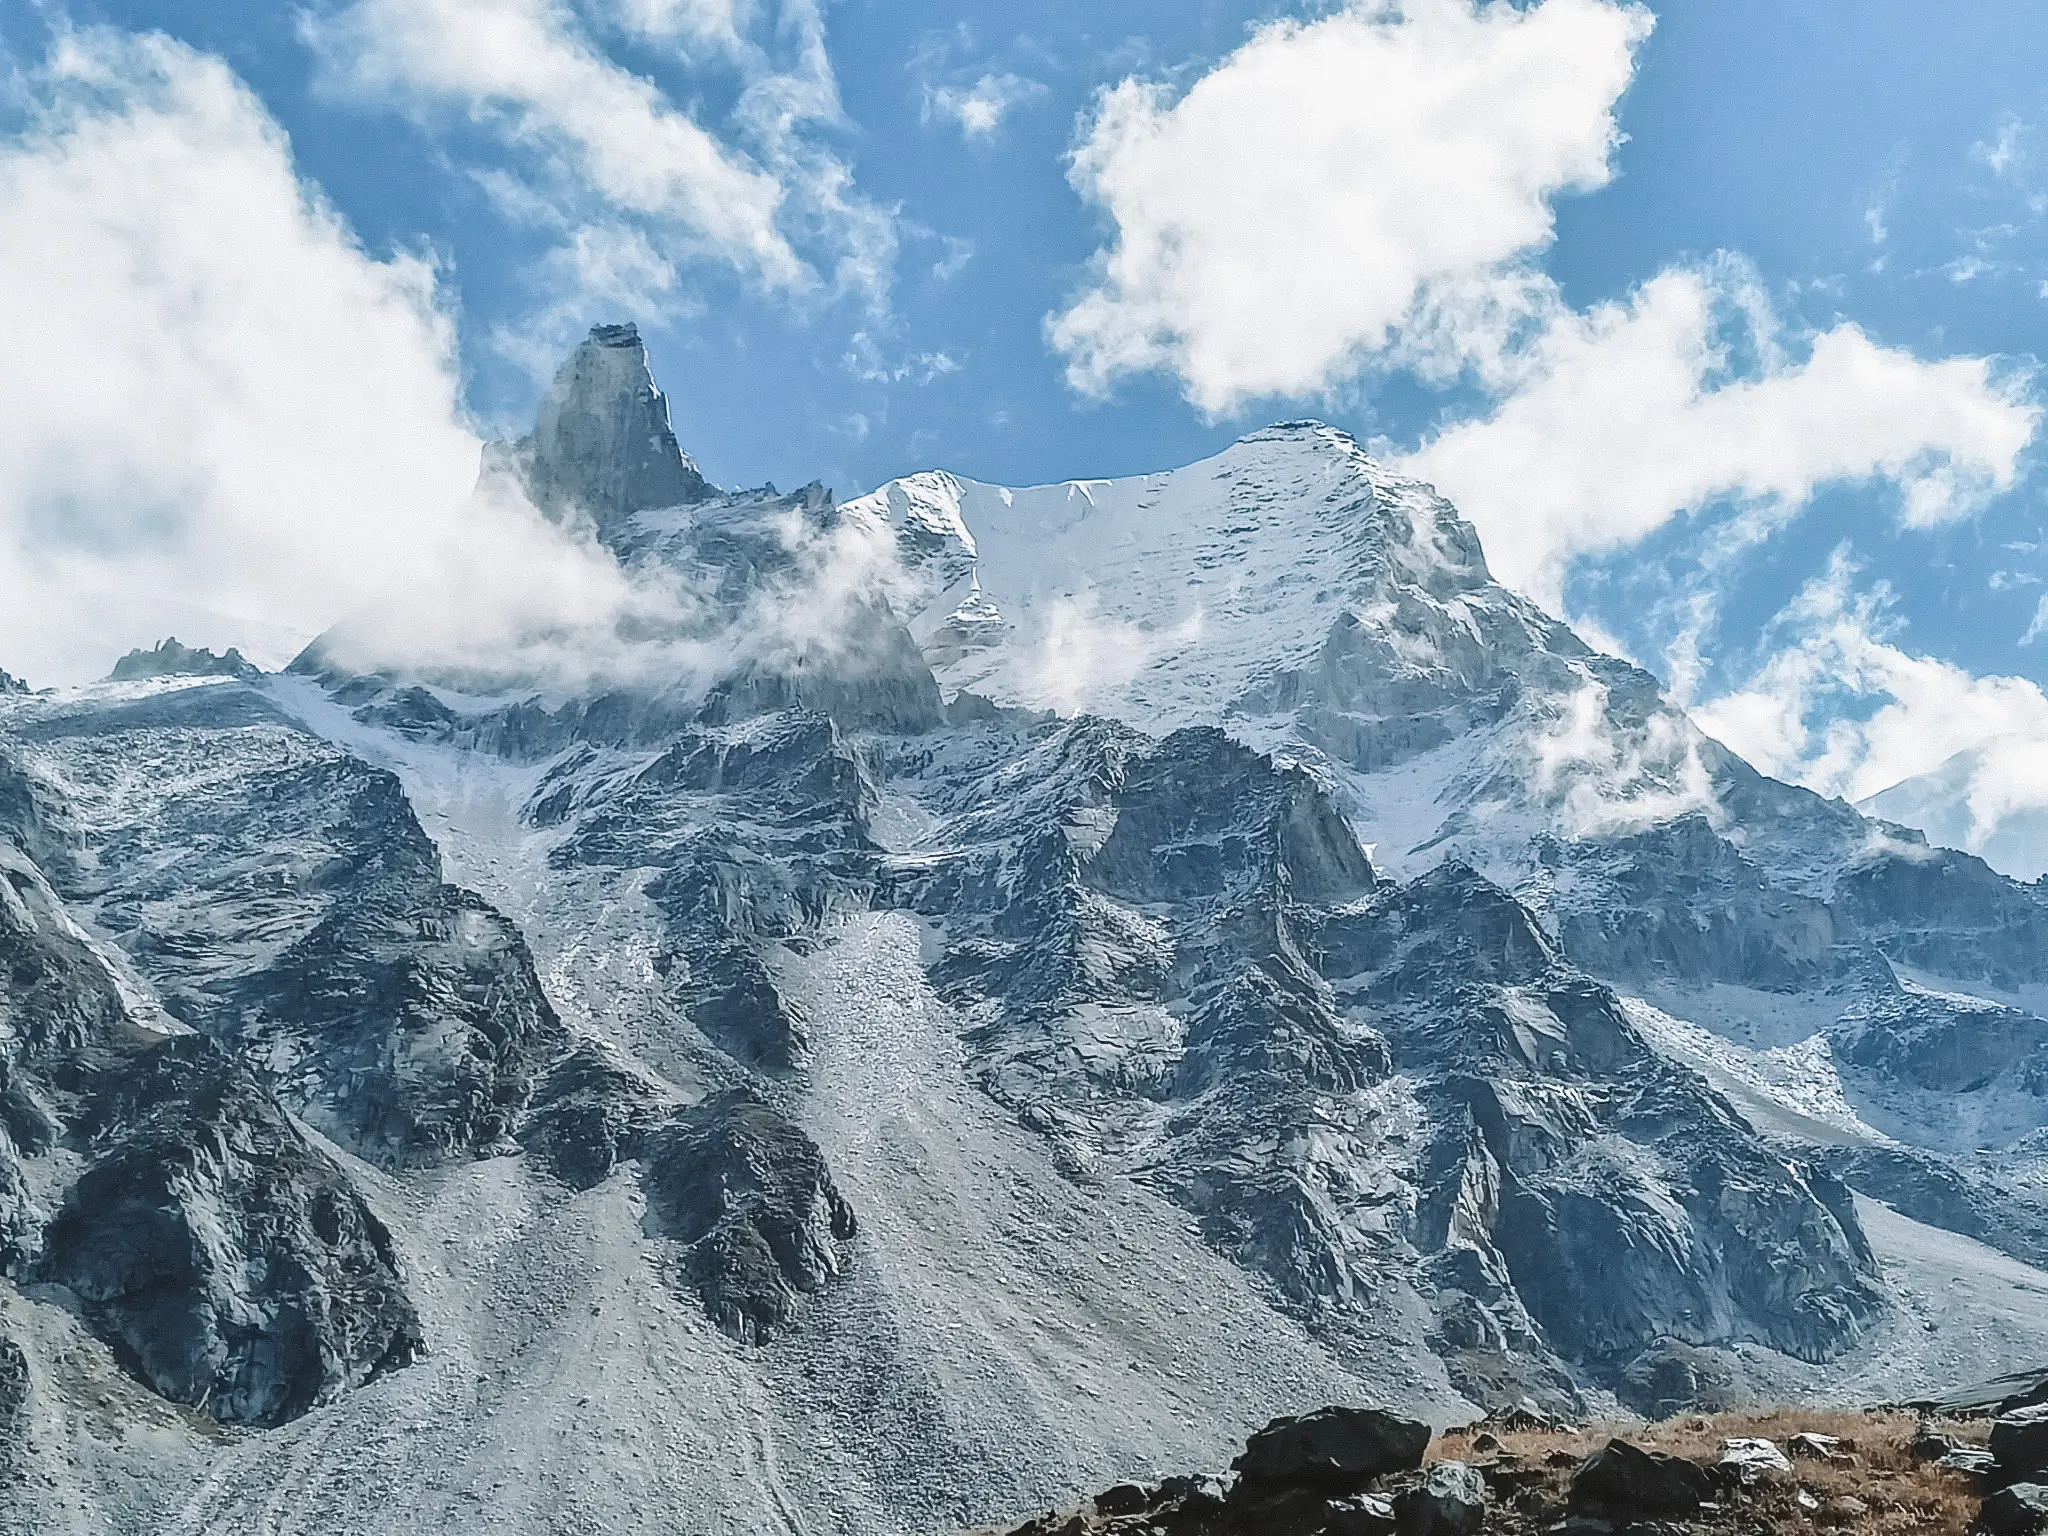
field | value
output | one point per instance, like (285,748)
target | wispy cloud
(2005,154)
(607,157)
(866,361)
(978,109)
(2038,625)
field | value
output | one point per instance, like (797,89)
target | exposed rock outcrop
(236,1265)
(170,659)
(284,899)
(602,445)
(749,1196)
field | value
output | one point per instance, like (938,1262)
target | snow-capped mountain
(1139,957)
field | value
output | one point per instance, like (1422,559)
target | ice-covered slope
(1173,599)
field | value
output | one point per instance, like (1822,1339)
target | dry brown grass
(1903,1496)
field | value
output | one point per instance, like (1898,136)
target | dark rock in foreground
(2021,1510)
(1515,1475)
(2019,1441)
(1451,1501)
(1341,1449)
(1627,1481)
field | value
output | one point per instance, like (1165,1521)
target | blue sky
(1822,226)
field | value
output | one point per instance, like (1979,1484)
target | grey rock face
(171,659)
(235,1263)
(60,997)
(749,1196)
(21,1219)
(15,1386)
(1743,1251)
(1951,913)
(1336,1449)
(287,902)
(602,445)
(1241,974)
(9,683)
(1560,1136)
(592,1113)
(755,835)
(1681,901)
(1944,1044)
(417,1020)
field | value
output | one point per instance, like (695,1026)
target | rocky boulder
(2019,1510)
(1450,1501)
(1623,1480)
(2019,1442)
(1746,1460)
(1337,1449)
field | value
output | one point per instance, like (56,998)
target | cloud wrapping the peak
(1278,223)
(240,440)
(1617,420)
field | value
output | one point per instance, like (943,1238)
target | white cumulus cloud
(1617,420)
(1278,223)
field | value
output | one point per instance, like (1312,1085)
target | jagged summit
(9,683)
(602,444)
(170,659)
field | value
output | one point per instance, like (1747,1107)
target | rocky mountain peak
(170,659)
(602,444)
(1225,588)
